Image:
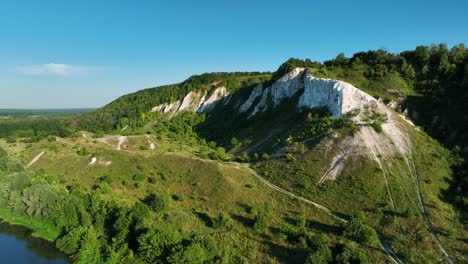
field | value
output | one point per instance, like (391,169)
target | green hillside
(130,184)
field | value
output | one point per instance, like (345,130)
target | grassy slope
(209,187)
(361,186)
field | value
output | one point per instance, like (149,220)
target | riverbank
(38,228)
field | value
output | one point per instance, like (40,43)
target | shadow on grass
(204,217)
(284,254)
(326,228)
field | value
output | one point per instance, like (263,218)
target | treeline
(32,129)
(44,112)
(133,109)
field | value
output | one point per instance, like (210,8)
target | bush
(350,254)
(155,245)
(222,220)
(320,252)
(139,176)
(158,202)
(360,232)
(245,157)
(263,218)
(83,152)
(193,254)
(377,125)
(106,178)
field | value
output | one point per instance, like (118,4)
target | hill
(314,163)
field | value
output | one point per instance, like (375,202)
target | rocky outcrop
(339,97)
(211,100)
(256,92)
(194,101)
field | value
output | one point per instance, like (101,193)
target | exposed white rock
(262,104)
(256,92)
(194,101)
(191,101)
(339,97)
(286,86)
(93,160)
(171,107)
(158,108)
(210,101)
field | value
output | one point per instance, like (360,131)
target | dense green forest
(33,129)
(44,112)
(133,109)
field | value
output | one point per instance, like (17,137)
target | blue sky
(62,54)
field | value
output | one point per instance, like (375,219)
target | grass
(39,229)
(209,187)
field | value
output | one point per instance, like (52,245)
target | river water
(18,246)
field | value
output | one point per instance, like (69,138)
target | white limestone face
(192,101)
(339,97)
(171,107)
(262,104)
(256,92)
(286,86)
(210,101)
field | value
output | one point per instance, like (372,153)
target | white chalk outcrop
(287,86)
(256,92)
(194,101)
(339,97)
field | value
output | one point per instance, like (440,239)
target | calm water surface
(18,246)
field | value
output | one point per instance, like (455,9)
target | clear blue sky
(59,54)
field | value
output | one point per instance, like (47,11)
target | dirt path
(336,166)
(35,159)
(334,214)
(151,144)
(122,139)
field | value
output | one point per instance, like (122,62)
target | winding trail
(35,159)
(388,250)
(412,167)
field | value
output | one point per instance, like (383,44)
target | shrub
(83,152)
(350,254)
(377,125)
(158,202)
(263,218)
(222,220)
(320,252)
(155,245)
(360,232)
(245,157)
(139,176)
(105,178)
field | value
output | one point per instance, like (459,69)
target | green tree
(194,253)
(155,245)
(319,247)
(158,202)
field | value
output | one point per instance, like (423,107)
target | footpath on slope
(336,215)
(35,159)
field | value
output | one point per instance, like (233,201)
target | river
(18,246)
